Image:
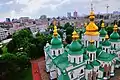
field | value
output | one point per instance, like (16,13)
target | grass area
(26,74)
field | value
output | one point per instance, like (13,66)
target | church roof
(106,57)
(56,42)
(64,77)
(95,63)
(75,48)
(89,66)
(85,57)
(106,42)
(114,36)
(62,61)
(91,47)
(91,28)
(103,32)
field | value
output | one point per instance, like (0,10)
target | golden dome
(91,28)
(103,25)
(106,37)
(75,35)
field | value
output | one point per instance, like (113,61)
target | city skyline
(51,8)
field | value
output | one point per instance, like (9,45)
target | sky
(36,8)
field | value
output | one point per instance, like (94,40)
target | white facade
(3,33)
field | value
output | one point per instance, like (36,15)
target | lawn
(25,75)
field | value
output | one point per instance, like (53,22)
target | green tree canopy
(11,46)
(69,30)
(68,39)
(22,38)
(66,25)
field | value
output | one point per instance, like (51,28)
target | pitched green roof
(85,57)
(91,48)
(63,77)
(101,69)
(102,32)
(95,63)
(106,43)
(56,43)
(62,61)
(115,40)
(98,52)
(114,36)
(105,57)
(75,46)
(89,67)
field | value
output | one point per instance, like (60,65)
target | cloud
(35,8)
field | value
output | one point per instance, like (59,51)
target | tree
(69,30)
(1,51)
(22,60)
(32,51)
(69,39)
(109,29)
(11,46)
(22,38)
(66,25)
(60,33)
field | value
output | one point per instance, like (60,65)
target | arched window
(90,56)
(81,71)
(58,51)
(71,75)
(106,50)
(53,52)
(96,43)
(74,60)
(79,59)
(86,43)
(114,45)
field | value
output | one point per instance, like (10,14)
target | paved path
(35,70)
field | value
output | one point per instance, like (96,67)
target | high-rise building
(69,14)
(7,19)
(75,14)
(43,17)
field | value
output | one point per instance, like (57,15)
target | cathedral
(93,57)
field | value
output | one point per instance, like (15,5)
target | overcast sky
(35,8)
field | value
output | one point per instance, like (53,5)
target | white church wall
(53,74)
(86,73)
(75,58)
(76,73)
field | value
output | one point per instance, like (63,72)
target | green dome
(91,47)
(102,32)
(105,57)
(75,46)
(95,63)
(114,36)
(89,67)
(106,43)
(56,42)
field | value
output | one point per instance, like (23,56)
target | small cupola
(56,43)
(75,50)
